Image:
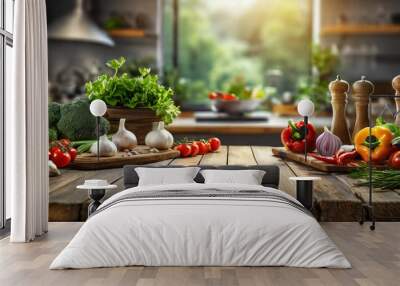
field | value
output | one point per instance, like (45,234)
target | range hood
(77,26)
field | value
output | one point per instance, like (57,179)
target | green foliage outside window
(315,87)
(223,40)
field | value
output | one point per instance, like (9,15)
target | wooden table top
(274,125)
(336,198)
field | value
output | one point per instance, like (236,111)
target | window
(221,41)
(6,43)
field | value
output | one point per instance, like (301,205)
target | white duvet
(200,231)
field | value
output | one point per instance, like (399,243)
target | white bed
(185,230)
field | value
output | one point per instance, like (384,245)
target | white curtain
(27,124)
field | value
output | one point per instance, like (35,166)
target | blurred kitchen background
(283,50)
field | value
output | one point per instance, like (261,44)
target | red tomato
(54,150)
(184,149)
(65,142)
(195,149)
(72,152)
(212,95)
(208,147)
(203,149)
(394,160)
(215,143)
(49,155)
(229,97)
(61,159)
(395,149)
(220,95)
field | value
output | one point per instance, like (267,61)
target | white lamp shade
(98,107)
(305,107)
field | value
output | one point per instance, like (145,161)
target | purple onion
(328,143)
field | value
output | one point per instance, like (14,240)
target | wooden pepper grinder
(362,89)
(339,89)
(396,86)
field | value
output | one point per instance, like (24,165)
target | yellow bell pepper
(380,143)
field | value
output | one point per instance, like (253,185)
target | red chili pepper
(326,159)
(340,158)
(339,152)
(347,157)
(293,137)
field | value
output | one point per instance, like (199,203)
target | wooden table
(335,196)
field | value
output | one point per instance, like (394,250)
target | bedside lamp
(98,108)
(305,108)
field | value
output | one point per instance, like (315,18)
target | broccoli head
(53,136)
(54,114)
(77,123)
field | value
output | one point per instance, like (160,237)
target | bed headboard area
(271,177)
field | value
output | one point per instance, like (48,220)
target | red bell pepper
(293,137)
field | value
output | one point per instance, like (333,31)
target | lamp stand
(305,137)
(367,210)
(98,137)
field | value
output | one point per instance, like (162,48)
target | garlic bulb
(106,147)
(159,137)
(124,139)
(328,143)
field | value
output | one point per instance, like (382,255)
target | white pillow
(166,176)
(248,177)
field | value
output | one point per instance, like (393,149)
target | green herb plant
(144,90)
(324,63)
(387,179)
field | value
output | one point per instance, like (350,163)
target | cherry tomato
(73,152)
(215,143)
(65,142)
(61,159)
(394,160)
(184,149)
(220,95)
(203,149)
(212,95)
(195,149)
(208,147)
(229,97)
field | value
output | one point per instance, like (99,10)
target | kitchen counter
(275,124)
(231,132)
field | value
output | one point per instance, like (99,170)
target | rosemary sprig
(388,179)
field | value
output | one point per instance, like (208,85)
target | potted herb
(140,99)
(324,63)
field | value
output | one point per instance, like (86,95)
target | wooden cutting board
(87,161)
(312,162)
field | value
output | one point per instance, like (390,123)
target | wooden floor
(375,257)
(335,196)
